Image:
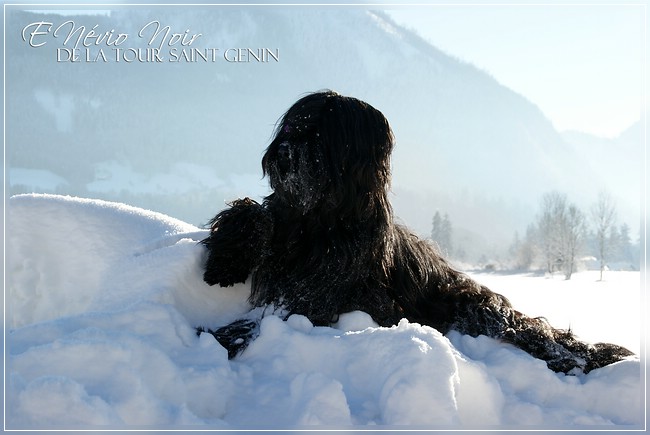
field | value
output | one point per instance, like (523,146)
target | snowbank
(101,304)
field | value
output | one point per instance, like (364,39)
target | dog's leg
(236,336)
(603,354)
(238,242)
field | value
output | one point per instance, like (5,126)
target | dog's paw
(235,337)
(226,277)
(238,242)
(604,354)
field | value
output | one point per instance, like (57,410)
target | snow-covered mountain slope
(466,144)
(621,162)
(102,300)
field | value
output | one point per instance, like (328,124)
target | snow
(39,180)
(597,311)
(102,301)
(182,178)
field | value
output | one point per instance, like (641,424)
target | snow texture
(102,301)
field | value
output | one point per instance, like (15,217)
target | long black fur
(325,243)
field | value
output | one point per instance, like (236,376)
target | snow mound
(102,301)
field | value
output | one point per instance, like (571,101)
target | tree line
(560,237)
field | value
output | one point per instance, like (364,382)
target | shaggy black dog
(325,242)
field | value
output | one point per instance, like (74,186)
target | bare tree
(574,229)
(603,214)
(561,232)
(549,229)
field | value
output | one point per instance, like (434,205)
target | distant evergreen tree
(441,233)
(515,245)
(447,234)
(625,238)
(436,227)
(522,252)
(625,249)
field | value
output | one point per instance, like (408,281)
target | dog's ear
(357,143)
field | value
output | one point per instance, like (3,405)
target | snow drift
(102,301)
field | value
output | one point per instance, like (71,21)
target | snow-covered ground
(102,300)
(607,311)
(183,177)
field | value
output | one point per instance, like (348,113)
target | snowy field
(607,311)
(102,300)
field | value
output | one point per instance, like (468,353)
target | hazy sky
(582,65)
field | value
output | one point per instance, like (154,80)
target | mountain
(128,131)
(617,165)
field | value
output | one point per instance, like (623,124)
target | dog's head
(330,153)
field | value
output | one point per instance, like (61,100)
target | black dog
(325,242)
